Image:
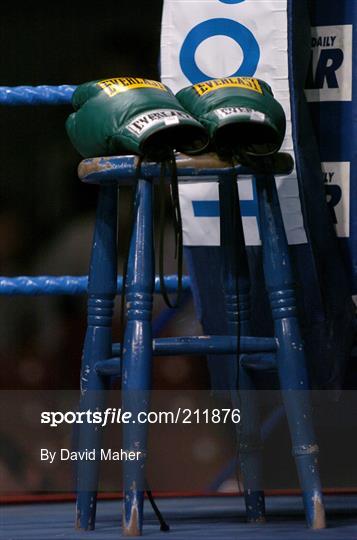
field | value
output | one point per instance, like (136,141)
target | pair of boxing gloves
(235,116)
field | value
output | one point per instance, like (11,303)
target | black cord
(163,525)
(177,224)
(237,228)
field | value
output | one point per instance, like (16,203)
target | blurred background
(46,214)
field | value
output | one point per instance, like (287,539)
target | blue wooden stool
(133,360)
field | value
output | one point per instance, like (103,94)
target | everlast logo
(145,121)
(112,87)
(228,111)
(230,82)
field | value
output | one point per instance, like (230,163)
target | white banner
(331,64)
(337,183)
(204,39)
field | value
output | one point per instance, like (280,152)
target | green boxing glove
(240,114)
(131,115)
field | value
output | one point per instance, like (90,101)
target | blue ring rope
(36,95)
(67,285)
(53,285)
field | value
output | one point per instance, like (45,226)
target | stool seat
(122,169)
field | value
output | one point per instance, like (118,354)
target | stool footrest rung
(110,367)
(201,345)
(176,346)
(259,362)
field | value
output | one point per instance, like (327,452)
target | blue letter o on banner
(231,1)
(219,27)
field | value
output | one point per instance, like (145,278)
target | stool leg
(291,359)
(236,272)
(137,356)
(102,288)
